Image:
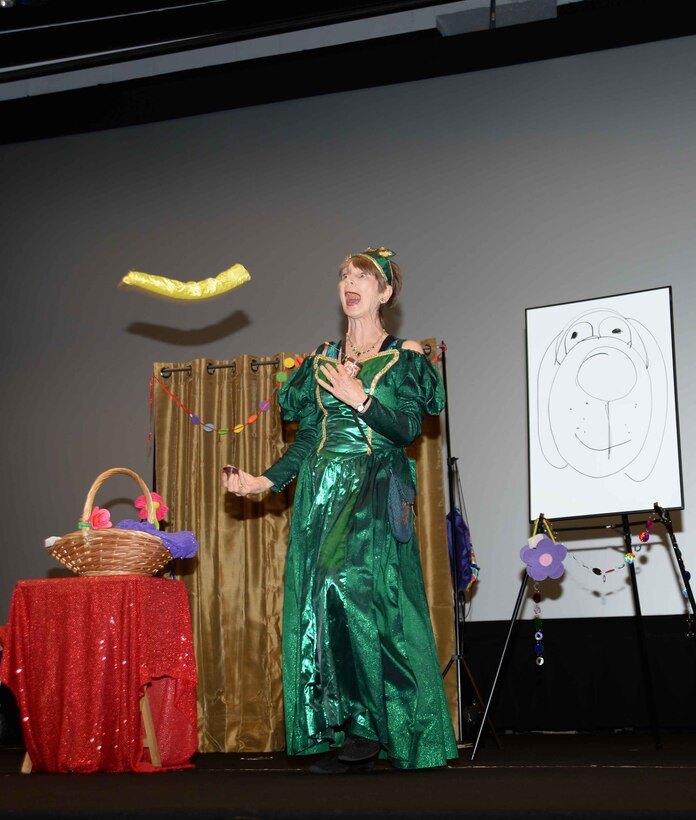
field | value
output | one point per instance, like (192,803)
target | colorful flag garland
(289,362)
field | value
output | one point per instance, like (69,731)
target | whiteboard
(602,406)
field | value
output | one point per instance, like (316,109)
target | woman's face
(359,292)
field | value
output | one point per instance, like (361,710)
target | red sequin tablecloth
(78,654)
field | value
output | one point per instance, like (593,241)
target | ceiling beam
(349,66)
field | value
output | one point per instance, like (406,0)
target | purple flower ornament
(543,557)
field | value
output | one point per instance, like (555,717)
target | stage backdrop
(236,581)
(533,184)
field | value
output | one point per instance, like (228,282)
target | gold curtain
(235,583)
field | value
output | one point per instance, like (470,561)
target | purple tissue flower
(543,557)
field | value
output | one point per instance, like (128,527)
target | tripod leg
(515,613)
(667,521)
(480,700)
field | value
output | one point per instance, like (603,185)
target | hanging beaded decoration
(605,572)
(544,559)
(645,534)
(538,634)
(629,557)
(288,363)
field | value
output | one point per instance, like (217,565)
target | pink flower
(100,519)
(161,508)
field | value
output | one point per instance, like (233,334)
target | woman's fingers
(336,379)
(329,387)
(331,374)
(232,481)
(340,383)
(241,483)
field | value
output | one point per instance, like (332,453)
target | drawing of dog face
(602,396)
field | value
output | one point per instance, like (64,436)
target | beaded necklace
(367,350)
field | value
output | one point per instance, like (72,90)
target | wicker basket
(112,551)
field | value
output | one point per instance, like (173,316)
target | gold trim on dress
(387,366)
(377,377)
(320,403)
(393,354)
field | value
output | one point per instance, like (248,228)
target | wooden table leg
(150,739)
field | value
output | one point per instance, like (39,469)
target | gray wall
(499,190)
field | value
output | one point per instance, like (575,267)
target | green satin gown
(358,649)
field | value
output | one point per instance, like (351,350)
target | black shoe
(358,749)
(332,765)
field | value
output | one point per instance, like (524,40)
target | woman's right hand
(240,483)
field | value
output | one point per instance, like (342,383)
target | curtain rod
(166,372)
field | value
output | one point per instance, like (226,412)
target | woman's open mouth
(351,298)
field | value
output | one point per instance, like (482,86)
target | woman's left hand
(339,382)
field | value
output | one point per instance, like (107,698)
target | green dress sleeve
(297,402)
(419,391)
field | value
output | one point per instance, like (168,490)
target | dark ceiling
(40,31)
(68,30)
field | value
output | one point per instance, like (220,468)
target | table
(79,654)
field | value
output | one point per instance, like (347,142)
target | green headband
(380,258)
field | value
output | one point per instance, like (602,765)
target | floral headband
(380,258)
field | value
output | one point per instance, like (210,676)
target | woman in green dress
(360,668)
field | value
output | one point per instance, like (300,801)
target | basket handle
(101,478)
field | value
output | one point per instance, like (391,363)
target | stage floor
(531,776)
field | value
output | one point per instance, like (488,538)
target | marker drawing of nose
(607,374)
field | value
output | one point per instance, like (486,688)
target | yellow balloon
(204,289)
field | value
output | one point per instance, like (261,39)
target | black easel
(664,518)
(459,658)
(541,525)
